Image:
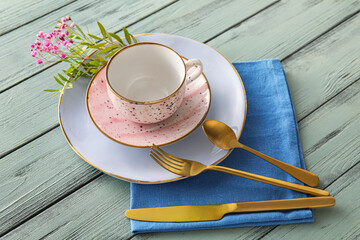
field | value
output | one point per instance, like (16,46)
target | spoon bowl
(222,136)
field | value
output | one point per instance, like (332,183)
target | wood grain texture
(92,212)
(26,124)
(200,20)
(113,15)
(339,222)
(11,123)
(282,29)
(182,22)
(322,156)
(15,13)
(27,187)
(331,148)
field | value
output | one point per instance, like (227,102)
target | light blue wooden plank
(19,210)
(113,14)
(339,222)
(200,20)
(319,141)
(32,123)
(91,213)
(37,175)
(329,158)
(15,13)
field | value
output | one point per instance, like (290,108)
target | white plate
(133,164)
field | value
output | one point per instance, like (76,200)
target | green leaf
(82,33)
(67,74)
(99,45)
(109,36)
(85,43)
(58,81)
(50,90)
(107,49)
(102,60)
(127,35)
(95,37)
(77,36)
(117,38)
(65,60)
(102,29)
(111,53)
(62,77)
(94,63)
(133,38)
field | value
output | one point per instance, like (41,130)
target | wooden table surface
(48,192)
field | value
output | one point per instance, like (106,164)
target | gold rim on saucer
(147,146)
(161,181)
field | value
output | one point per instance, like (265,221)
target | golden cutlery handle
(272,181)
(285,204)
(303,175)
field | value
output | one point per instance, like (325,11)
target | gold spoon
(224,137)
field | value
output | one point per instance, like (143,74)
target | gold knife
(194,213)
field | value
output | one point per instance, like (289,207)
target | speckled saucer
(110,122)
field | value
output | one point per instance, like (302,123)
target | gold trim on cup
(160,181)
(147,146)
(146,102)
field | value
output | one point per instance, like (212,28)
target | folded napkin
(270,128)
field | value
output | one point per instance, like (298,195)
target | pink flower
(55,47)
(55,51)
(37,47)
(58,42)
(61,36)
(33,53)
(63,55)
(40,50)
(71,41)
(63,20)
(40,35)
(39,61)
(32,45)
(60,25)
(48,36)
(46,43)
(37,42)
(67,32)
(65,43)
(72,25)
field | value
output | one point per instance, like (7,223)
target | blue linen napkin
(271,128)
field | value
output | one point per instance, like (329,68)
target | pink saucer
(112,124)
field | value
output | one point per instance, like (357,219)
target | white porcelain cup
(146,82)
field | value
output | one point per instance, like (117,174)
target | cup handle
(192,63)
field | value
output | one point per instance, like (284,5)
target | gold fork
(190,168)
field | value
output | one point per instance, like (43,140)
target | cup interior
(145,72)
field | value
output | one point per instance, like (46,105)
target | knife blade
(194,213)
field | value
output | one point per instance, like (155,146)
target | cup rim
(145,102)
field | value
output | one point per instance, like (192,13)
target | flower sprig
(86,53)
